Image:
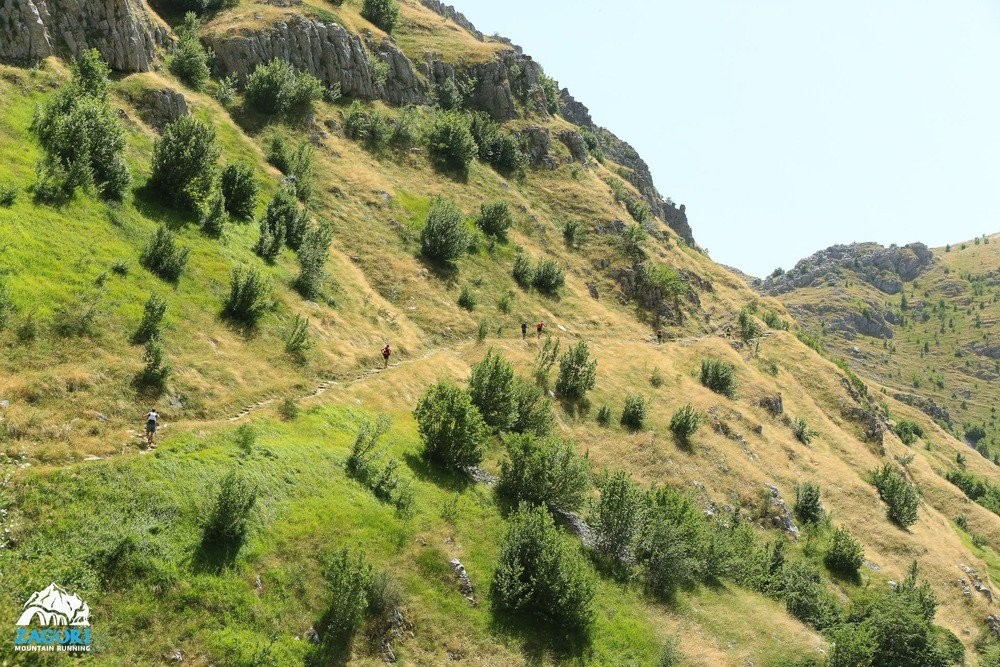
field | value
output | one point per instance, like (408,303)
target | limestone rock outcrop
(124,31)
(885,268)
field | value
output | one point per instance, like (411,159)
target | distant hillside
(588,445)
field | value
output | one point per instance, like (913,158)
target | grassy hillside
(84,505)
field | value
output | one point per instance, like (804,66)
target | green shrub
(466,299)
(350,579)
(685,423)
(523,272)
(184,162)
(8,195)
(638,209)
(189,60)
(497,147)
(449,97)
(450,143)
(802,432)
(845,554)
(669,545)
(248,298)
(444,237)
(807,599)
(980,490)
(278,88)
(152,318)
(492,391)
(451,429)
(617,515)
(545,360)
(719,376)
(155,369)
(284,223)
(240,188)
(227,525)
(539,577)
(367,447)
(296,164)
(899,495)
(226,91)
(544,472)
(203,6)
(289,409)
(163,257)
(908,431)
(495,219)
(534,409)
(634,413)
(670,655)
(774,321)
(312,255)
(549,276)
(604,416)
(383,13)
(368,127)
(213,217)
(82,137)
(808,508)
(577,374)
(297,340)
(748,327)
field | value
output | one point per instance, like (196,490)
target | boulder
(160,107)
(575,143)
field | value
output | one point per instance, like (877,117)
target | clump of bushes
(296,164)
(364,465)
(532,408)
(8,195)
(748,327)
(450,143)
(312,255)
(155,369)
(83,139)
(616,516)
(808,508)
(248,297)
(189,60)
(227,525)
(383,13)
(577,373)
(549,277)
(152,317)
(908,431)
(719,376)
(163,256)
(523,271)
(685,423)
(497,147)
(297,340)
(240,189)
(899,495)
(539,577)
(184,162)
(634,413)
(492,391)
(278,88)
(495,219)
(544,471)
(802,432)
(845,554)
(284,223)
(604,416)
(466,298)
(444,237)
(214,216)
(451,428)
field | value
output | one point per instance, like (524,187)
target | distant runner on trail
(659,335)
(539,327)
(524,329)
(152,419)
(386,353)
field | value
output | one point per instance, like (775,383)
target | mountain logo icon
(54,606)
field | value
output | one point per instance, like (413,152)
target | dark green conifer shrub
(383,13)
(492,391)
(444,237)
(634,413)
(278,88)
(577,373)
(185,162)
(544,471)
(451,429)
(163,256)
(719,376)
(152,318)
(239,189)
(248,297)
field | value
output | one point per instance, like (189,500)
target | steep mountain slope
(123,527)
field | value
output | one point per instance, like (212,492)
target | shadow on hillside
(445,479)
(445,271)
(575,408)
(151,205)
(539,639)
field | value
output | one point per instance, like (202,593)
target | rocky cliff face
(122,30)
(886,269)
(327,51)
(639,175)
(450,12)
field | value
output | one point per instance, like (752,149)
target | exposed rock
(993,623)
(577,526)
(927,406)
(450,12)
(576,145)
(312,635)
(122,30)
(986,350)
(781,515)
(161,107)
(327,51)
(537,143)
(464,583)
(885,268)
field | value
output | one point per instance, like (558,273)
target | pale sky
(788,126)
